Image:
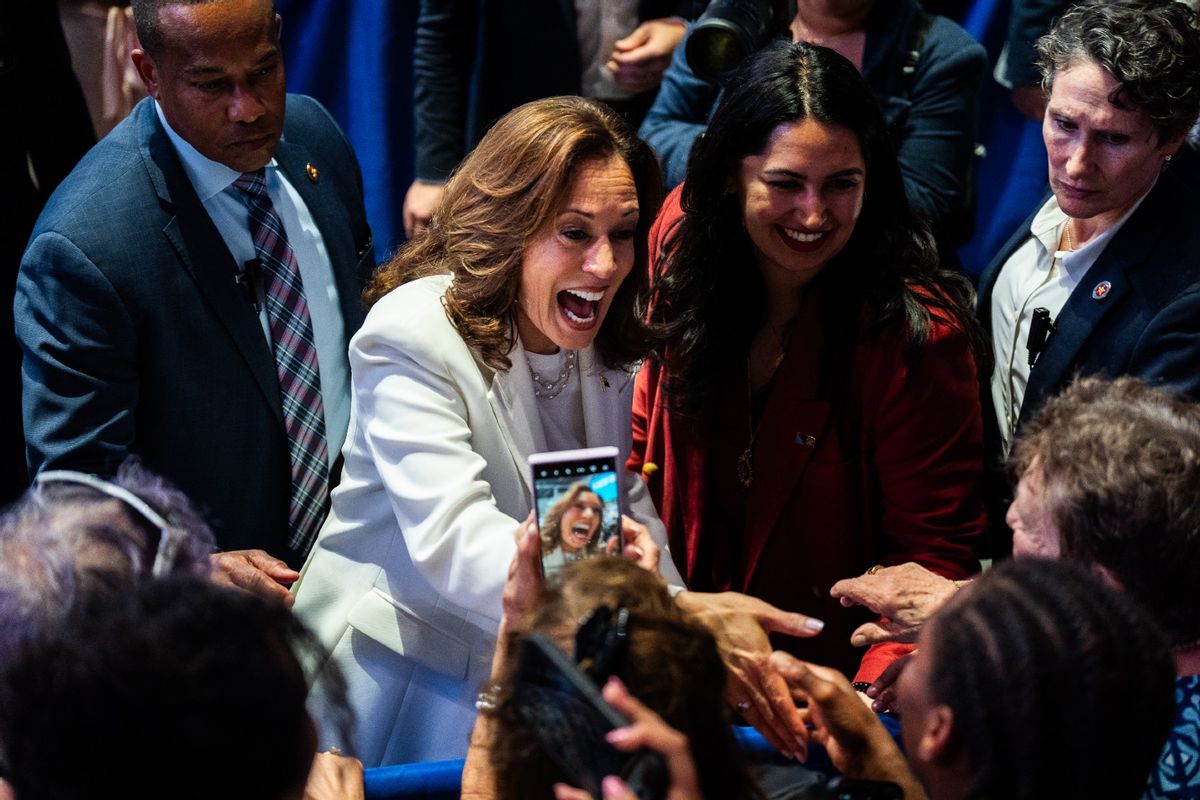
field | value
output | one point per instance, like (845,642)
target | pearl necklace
(549,389)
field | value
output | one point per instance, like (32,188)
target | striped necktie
(295,363)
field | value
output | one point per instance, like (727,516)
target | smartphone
(566,713)
(860,789)
(577,494)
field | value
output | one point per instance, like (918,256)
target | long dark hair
(708,300)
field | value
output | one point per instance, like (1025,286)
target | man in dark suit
(1105,276)
(190,289)
(475,61)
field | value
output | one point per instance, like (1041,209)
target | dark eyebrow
(793,174)
(629,213)
(201,69)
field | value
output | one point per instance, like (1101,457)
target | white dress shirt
(1037,275)
(213,183)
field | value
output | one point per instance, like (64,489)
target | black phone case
(570,718)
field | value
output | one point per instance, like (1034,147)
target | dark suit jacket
(1146,325)
(136,339)
(516,50)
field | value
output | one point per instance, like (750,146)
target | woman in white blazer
(507,329)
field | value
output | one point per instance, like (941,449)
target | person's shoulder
(108,194)
(413,312)
(946,40)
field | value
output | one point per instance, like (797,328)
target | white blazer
(404,582)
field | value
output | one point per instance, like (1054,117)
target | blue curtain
(356,58)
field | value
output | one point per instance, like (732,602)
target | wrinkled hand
(1030,101)
(883,692)
(740,625)
(646,729)
(256,572)
(421,200)
(905,596)
(525,579)
(639,60)
(335,777)
(857,742)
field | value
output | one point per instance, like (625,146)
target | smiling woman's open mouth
(580,306)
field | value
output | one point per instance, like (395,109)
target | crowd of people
(822,425)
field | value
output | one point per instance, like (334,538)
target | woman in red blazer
(815,407)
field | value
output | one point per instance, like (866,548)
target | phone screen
(577,497)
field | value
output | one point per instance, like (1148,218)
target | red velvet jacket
(891,475)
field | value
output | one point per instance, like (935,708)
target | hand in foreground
(883,692)
(525,579)
(639,544)
(421,200)
(857,742)
(646,729)
(905,595)
(639,60)
(335,777)
(256,572)
(740,625)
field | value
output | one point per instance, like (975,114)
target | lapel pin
(805,439)
(1102,289)
(313,175)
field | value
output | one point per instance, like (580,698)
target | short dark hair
(1121,467)
(1029,659)
(708,299)
(179,683)
(145,18)
(1151,47)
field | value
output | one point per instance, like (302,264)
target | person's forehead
(198,25)
(1085,90)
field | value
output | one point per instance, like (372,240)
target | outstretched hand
(857,742)
(740,625)
(905,596)
(256,572)
(639,60)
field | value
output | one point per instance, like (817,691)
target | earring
(1168,158)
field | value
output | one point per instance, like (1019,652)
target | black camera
(731,30)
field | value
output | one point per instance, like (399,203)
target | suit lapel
(603,391)
(794,423)
(987,278)
(317,191)
(512,400)
(1127,253)
(203,254)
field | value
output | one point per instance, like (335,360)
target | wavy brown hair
(550,533)
(505,194)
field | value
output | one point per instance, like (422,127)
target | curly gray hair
(1151,47)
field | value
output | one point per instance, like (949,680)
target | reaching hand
(740,625)
(256,572)
(857,742)
(639,60)
(905,596)
(883,692)
(421,200)
(639,544)
(335,777)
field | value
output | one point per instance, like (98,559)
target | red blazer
(890,475)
